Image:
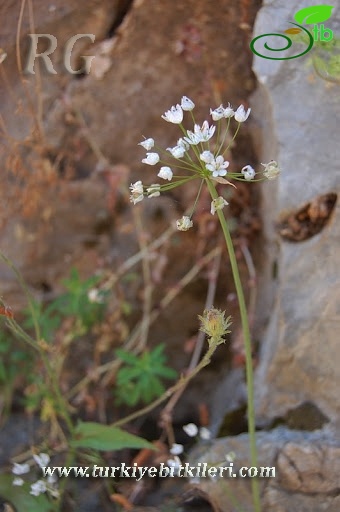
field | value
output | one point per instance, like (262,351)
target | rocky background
(69,151)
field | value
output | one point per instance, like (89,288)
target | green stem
(247,346)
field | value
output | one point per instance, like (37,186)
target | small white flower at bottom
(136,192)
(191,429)
(38,487)
(230,457)
(174,463)
(176,449)
(165,173)
(184,223)
(271,170)
(42,459)
(154,190)
(20,469)
(18,481)
(205,434)
(248,172)
(218,204)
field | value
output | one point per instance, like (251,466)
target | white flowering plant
(197,156)
(200,154)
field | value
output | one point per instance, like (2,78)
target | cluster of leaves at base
(74,303)
(139,380)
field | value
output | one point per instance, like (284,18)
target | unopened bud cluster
(215,325)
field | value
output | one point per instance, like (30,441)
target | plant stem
(247,346)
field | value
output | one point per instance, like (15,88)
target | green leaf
(314,14)
(167,373)
(127,357)
(21,498)
(106,438)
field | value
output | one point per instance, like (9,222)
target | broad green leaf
(314,14)
(106,438)
(21,498)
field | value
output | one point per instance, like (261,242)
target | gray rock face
(306,471)
(296,115)
(300,353)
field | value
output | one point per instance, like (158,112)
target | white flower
(191,429)
(20,469)
(241,115)
(177,151)
(95,296)
(151,159)
(230,457)
(174,463)
(18,481)
(154,190)
(165,173)
(187,104)
(228,111)
(3,55)
(38,487)
(174,115)
(205,433)
(248,172)
(271,170)
(52,479)
(218,166)
(176,449)
(220,112)
(201,133)
(42,459)
(218,204)
(147,144)
(207,157)
(184,223)
(136,192)
(183,143)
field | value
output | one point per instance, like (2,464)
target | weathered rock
(299,360)
(307,469)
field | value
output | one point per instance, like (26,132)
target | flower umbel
(196,155)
